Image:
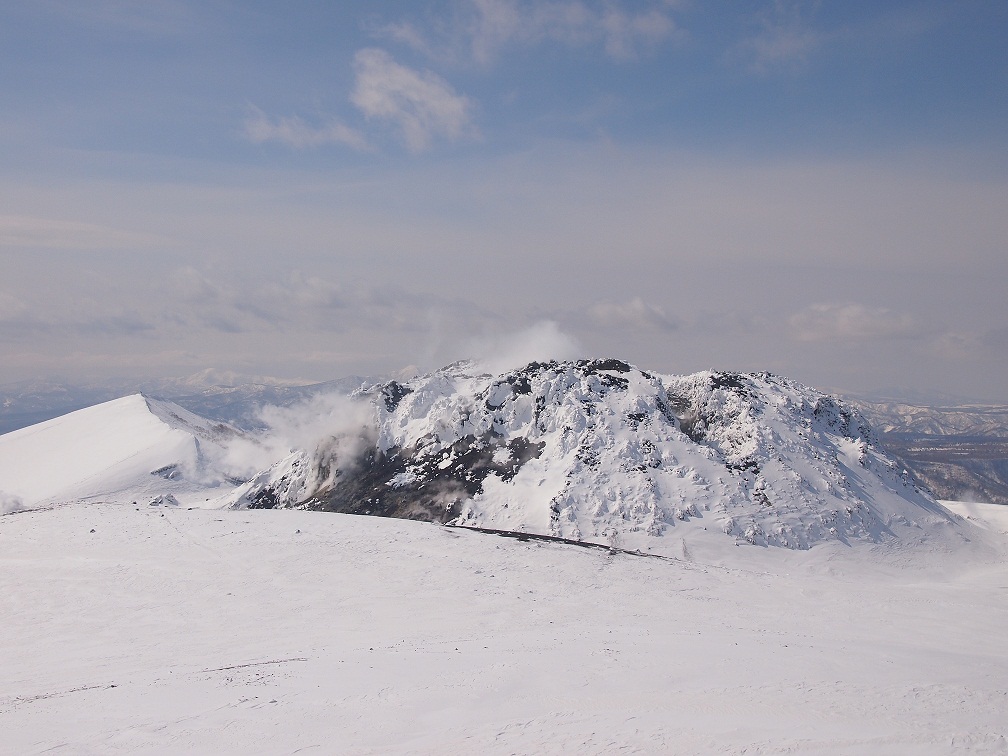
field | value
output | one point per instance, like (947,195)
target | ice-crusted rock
(596,449)
(164,500)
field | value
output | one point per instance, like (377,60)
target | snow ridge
(127,449)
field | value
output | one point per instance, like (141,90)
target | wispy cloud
(958,346)
(156,17)
(80,317)
(507,351)
(635,314)
(27,232)
(294,132)
(970,345)
(11,307)
(786,34)
(75,364)
(785,37)
(997,338)
(486,27)
(407,34)
(851,322)
(624,35)
(420,103)
(298,301)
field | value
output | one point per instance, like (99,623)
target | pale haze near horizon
(814,189)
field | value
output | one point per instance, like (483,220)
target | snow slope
(135,630)
(988,516)
(602,451)
(133,446)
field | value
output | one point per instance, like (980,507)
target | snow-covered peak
(179,418)
(601,450)
(127,448)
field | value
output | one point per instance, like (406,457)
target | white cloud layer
(294,132)
(421,104)
(634,314)
(784,38)
(615,246)
(489,26)
(851,322)
(26,232)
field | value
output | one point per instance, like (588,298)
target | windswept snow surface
(987,516)
(129,447)
(164,630)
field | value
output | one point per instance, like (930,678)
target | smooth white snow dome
(124,450)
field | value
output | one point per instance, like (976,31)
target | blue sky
(312,189)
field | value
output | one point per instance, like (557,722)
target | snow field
(156,630)
(987,516)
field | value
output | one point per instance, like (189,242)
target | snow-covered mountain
(129,447)
(958,419)
(277,631)
(602,451)
(219,395)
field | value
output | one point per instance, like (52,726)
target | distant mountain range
(896,416)
(218,395)
(960,451)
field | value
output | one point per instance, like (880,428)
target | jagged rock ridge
(599,449)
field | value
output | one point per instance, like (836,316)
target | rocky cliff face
(602,451)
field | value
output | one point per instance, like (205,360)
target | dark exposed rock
(610,364)
(729,381)
(264,499)
(842,419)
(393,393)
(411,484)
